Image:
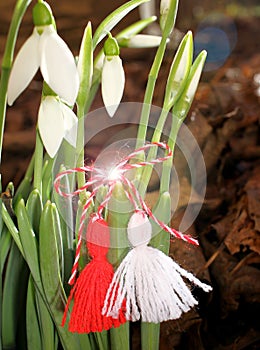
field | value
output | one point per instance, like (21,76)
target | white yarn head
(139,229)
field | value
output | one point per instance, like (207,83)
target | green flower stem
(169,25)
(37,179)
(142,130)
(20,8)
(150,335)
(80,151)
(25,186)
(146,174)
(3,89)
(167,165)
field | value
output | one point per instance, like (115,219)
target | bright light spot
(114,174)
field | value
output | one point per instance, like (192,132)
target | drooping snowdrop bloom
(46,50)
(55,122)
(113,77)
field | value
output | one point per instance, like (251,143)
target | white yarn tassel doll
(148,282)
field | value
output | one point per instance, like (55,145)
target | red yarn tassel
(90,289)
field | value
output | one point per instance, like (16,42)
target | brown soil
(226,114)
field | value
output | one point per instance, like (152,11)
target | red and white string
(99,178)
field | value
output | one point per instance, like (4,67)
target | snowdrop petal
(70,124)
(143,40)
(112,83)
(58,66)
(24,68)
(51,125)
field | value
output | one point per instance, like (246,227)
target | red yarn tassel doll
(90,289)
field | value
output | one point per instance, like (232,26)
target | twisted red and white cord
(99,178)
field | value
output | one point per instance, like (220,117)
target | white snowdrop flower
(55,122)
(46,50)
(113,77)
(144,40)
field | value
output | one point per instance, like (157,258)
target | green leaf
(32,321)
(15,284)
(28,240)
(134,29)
(47,328)
(1,298)
(113,18)
(84,258)
(23,190)
(119,211)
(12,228)
(34,209)
(102,340)
(47,179)
(5,244)
(51,279)
(85,66)
(162,211)
(118,217)
(49,259)
(59,240)
(65,207)
(120,337)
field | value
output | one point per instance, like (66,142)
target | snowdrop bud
(168,11)
(141,41)
(42,14)
(139,229)
(113,77)
(164,9)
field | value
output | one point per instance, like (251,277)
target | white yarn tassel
(149,281)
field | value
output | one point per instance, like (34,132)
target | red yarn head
(98,238)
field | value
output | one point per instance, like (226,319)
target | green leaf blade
(14,286)
(32,322)
(51,279)
(113,18)
(119,212)
(28,240)
(34,209)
